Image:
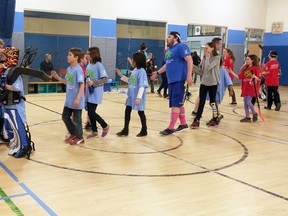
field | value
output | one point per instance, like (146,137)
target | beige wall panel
(56,26)
(147,32)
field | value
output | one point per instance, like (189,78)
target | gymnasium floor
(235,169)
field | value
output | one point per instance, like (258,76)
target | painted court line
(10,203)
(3,195)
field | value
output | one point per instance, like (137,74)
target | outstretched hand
(154,76)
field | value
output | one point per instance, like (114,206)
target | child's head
(2,43)
(252,60)
(94,55)
(82,60)
(218,43)
(139,60)
(143,47)
(273,54)
(228,53)
(150,55)
(210,49)
(73,55)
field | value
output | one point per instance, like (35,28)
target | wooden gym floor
(235,169)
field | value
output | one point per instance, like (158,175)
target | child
(150,67)
(271,72)
(228,63)
(224,82)
(95,79)
(250,73)
(209,82)
(74,103)
(136,93)
(83,63)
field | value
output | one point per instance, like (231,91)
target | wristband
(158,73)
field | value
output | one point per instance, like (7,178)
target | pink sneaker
(69,138)
(105,131)
(76,141)
(93,134)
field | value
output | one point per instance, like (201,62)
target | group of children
(76,99)
(214,81)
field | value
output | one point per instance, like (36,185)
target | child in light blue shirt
(136,93)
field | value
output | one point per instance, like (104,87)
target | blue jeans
(74,126)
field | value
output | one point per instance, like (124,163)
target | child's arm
(80,93)
(10,88)
(122,77)
(55,75)
(139,96)
(232,72)
(100,82)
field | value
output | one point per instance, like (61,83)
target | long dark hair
(140,60)
(231,54)
(255,60)
(212,45)
(94,53)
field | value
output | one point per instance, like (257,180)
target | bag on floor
(21,144)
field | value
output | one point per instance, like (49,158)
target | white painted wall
(234,14)
(277,12)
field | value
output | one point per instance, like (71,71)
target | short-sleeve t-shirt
(74,77)
(95,72)
(137,79)
(176,65)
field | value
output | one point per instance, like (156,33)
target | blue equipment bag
(18,134)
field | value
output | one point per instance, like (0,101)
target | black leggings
(95,117)
(141,114)
(202,95)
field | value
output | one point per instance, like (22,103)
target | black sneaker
(194,113)
(122,133)
(142,133)
(159,93)
(278,107)
(233,103)
(268,108)
(255,117)
(246,119)
(219,118)
(181,128)
(167,131)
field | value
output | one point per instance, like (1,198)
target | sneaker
(93,134)
(167,131)
(105,131)
(233,103)
(278,107)
(142,133)
(181,128)
(88,126)
(255,117)
(194,113)
(122,133)
(159,93)
(246,119)
(268,108)
(218,119)
(76,141)
(195,124)
(165,95)
(69,138)
(212,123)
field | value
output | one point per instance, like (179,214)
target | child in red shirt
(271,72)
(228,64)
(250,74)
